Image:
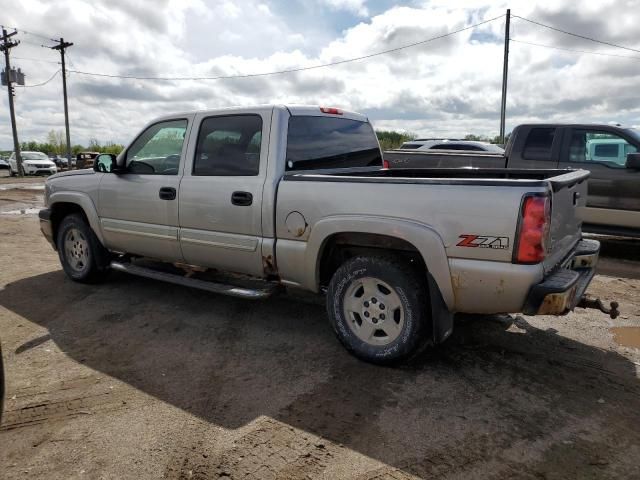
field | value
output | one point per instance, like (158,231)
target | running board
(232,290)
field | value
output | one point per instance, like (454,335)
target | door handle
(242,199)
(167,193)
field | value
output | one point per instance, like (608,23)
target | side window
(228,146)
(539,144)
(600,147)
(158,149)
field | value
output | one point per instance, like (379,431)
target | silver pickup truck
(244,201)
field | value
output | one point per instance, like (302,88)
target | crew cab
(609,152)
(247,201)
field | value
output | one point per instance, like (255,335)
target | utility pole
(62,45)
(5,47)
(505,69)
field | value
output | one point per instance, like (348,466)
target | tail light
(331,110)
(535,223)
(385,164)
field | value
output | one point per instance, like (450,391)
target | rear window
(539,143)
(410,145)
(328,142)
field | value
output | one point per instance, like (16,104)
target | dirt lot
(139,379)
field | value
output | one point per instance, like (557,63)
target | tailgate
(569,195)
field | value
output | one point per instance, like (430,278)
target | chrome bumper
(561,291)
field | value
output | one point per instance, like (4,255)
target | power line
(571,50)
(577,34)
(292,70)
(21,30)
(36,60)
(43,83)
(22,40)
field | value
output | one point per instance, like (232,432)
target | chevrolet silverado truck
(611,153)
(246,201)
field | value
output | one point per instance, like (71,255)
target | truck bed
(446,205)
(556,178)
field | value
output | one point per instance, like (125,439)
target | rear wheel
(82,256)
(379,309)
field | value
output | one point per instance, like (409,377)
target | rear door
(138,209)
(614,190)
(220,202)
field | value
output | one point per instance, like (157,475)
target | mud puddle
(21,211)
(626,336)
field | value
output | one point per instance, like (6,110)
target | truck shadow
(498,384)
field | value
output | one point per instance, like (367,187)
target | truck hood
(84,171)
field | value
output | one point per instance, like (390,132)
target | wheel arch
(65,203)
(382,234)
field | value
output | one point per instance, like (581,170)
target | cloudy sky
(448,87)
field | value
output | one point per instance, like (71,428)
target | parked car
(33,163)
(610,153)
(85,159)
(4,165)
(450,144)
(298,197)
(61,162)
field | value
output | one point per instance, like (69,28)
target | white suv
(451,144)
(33,163)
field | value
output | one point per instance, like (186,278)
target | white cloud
(357,7)
(447,87)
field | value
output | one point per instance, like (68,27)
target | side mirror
(633,161)
(105,163)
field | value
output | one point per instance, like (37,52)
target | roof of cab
(316,111)
(294,110)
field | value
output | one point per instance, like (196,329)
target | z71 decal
(484,241)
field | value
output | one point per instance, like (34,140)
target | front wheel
(378,308)
(82,256)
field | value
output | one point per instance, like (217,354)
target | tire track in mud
(50,411)
(270,450)
(44,406)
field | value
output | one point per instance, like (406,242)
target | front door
(221,192)
(138,209)
(614,190)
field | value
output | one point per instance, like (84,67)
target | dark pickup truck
(610,153)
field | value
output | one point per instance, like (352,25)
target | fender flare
(423,237)
(83,201)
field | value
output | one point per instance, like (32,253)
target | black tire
(412,326)
(83,259)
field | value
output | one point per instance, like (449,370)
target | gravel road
(140,379)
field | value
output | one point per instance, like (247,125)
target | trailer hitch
(589,302)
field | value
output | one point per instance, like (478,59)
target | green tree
(56,142)
(390,139)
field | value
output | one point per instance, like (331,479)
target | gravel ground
(140,379)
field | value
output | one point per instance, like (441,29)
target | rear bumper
(45,225)
(561,291)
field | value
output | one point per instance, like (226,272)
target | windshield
(34,156)
(328,142)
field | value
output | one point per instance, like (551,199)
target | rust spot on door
(268,265)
